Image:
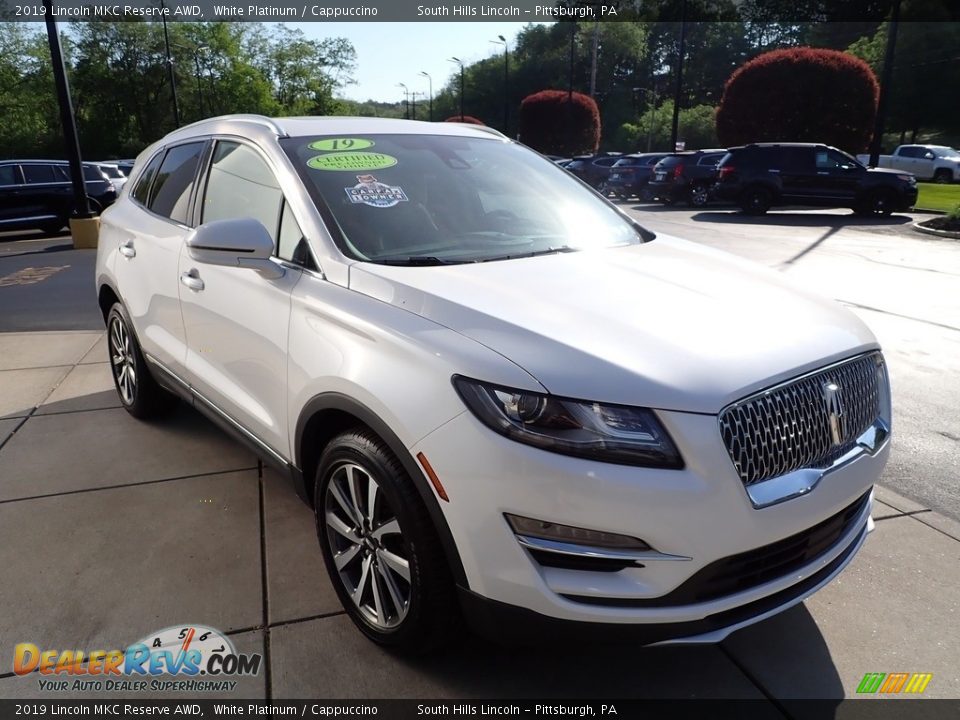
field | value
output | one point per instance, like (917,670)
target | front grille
(746,570)
(794,425)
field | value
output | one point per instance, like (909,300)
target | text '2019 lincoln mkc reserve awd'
(506,401)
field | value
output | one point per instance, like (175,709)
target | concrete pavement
(111,528)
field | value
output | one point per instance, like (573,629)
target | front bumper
(694,517)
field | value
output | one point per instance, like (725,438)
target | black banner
(875,709)
(522,11)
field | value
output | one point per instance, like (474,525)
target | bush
(466,119)
(800,95)
(551,124)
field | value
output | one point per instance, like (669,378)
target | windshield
(435,199)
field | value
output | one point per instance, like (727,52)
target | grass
(938,197)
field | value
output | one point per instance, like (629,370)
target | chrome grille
(791,426)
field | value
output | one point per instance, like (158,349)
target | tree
(697,129)
(800,95)
(551,123)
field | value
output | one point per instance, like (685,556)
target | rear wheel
(943,176)
(380,547)
(699,196)
(755,201)
(139,393)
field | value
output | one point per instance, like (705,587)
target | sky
(391,53)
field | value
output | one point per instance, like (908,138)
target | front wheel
(943,176)
(139,393)
(380,548)
(876,203)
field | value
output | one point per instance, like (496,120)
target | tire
(878,202)
(699,196)
(646,195)
(755,201)
(943,176)
(139,393)
(412,607)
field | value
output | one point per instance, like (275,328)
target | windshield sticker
(352,161)
(372,192)
(331,144)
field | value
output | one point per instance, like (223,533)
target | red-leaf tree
(551,123)
(800,95)
(465,119)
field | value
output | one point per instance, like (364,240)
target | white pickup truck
(928,162)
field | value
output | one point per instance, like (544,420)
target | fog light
(566,533)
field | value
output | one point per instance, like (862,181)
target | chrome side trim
(210,405)
(596,553)
(799,482)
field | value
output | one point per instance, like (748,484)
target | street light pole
(506,83)
(459,62)
(679,88)
(430,80)
(406,101)
(71,140)
(170,73)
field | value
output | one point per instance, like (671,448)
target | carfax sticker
(372,192)
(331,144)
(352,161)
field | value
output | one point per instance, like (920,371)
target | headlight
(909,178)
(608,433)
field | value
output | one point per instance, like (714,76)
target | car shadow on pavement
(787,651)
(803,219)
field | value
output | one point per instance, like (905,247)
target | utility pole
(506,83)
(83,225)
(170,73)
(593,61)
(406,101)
(885,82)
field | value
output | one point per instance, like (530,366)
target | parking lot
(111,528)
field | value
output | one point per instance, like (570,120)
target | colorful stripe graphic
(893,683)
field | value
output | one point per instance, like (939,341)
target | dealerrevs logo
(184,653)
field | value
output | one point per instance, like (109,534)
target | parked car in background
(686,176)
(593,169)
(631,173)
(928,162)
(39,194)
(490,383)
(126,166)
(764,175)
(117,177)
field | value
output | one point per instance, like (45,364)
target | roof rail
(485,128)
(266,122)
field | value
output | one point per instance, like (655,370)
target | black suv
(593,169)
(631,173)
(38,193)
(763,175)
(686,176)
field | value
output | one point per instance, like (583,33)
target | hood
(667,324)
(887,171)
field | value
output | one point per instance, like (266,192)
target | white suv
(505,400)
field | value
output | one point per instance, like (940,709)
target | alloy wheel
(699,196)
(122,361)
(367,546)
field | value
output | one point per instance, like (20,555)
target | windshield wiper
(532,253)
(412,260)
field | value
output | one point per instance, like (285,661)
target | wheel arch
(326,415)
(106,297)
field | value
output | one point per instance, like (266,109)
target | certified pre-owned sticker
(372,192)
(332,144)
(352,161)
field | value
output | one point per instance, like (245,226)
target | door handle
(127,249)
(192,280)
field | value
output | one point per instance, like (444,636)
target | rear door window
(9,175)
(35,174)
(142,189)
(170,195)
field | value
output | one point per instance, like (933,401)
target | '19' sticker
(332,144)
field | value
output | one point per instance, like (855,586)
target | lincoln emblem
(831,396)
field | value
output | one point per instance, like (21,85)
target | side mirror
(240,242)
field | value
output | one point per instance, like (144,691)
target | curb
(937,233)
